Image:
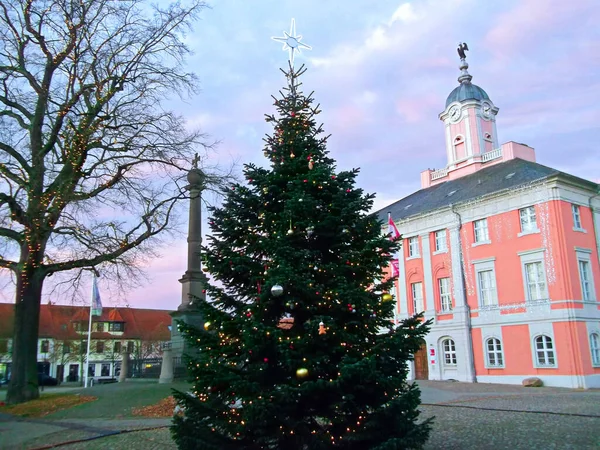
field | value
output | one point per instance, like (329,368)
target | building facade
(502,254)
(63,333)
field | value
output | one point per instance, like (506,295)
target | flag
(96,302)
(395,268)
(392,227)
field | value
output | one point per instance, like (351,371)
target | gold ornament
(302,372)
(311,165)
(387,297)
(292,155)
(207,325)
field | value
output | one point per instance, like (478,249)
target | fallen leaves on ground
(163,408)
(47,404)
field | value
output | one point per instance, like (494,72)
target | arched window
(459,147)
(595,348)
(494,352)
(449,352)
(544,351)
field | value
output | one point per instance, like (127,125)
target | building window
(494,353)
(66,348)
(487,288)
(544,351)
(413,247)
(576,217)
(535,280)
(595,348)
(481,230)
(44,346)
(116,326)
(100,326)
(105,370)
(117,347)
(129,346)
(585,277)
(445,297)
(417,295)
(99,347)
(449,351)
(440,241)
(528,221)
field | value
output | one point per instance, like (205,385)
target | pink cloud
(529,21)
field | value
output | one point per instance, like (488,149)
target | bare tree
(91,164)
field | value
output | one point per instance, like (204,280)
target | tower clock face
(486,109)
(454,113)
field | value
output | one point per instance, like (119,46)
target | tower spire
(465,77)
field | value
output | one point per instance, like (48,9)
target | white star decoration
(291,42)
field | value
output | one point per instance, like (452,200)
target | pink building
(502,253)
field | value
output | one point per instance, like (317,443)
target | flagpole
(87,356)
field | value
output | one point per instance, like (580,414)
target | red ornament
(333,177)
(266,360)
(306,181)
(293,114)
(348,190)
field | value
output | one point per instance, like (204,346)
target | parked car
(46,380)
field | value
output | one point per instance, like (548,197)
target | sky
(381,71)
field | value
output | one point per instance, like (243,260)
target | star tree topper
(291,42)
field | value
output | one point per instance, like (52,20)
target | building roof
(466,91)
(510,175)
(56,321)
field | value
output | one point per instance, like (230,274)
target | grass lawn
(117,400)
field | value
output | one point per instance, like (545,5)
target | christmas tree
(299,349)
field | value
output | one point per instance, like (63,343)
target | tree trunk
(23,384)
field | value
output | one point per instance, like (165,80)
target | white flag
(96,302)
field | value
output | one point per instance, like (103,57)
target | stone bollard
(166,368)
(124,367)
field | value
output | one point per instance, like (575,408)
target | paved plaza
(468,416)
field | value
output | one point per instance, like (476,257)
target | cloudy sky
(381,71)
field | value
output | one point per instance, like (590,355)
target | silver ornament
(277,290)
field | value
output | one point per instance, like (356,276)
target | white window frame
(481,234)
(441,241)
(445,297)
(497,352)
(586,279)
(548,352)
(413,247)
(485,265)
(449,352)
(595,348)
(576,213)
(417,299)
(534,256)
(528,221)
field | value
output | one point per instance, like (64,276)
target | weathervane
(462,46)
(291,42)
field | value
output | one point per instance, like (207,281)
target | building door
(73,372)
(60,373)
(421,366)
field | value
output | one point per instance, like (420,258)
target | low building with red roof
(63,333)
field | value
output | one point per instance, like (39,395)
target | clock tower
(470,121)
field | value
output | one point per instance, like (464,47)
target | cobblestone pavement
(467,416)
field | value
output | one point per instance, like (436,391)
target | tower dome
(466,91)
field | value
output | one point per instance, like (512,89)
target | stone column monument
(193,280)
